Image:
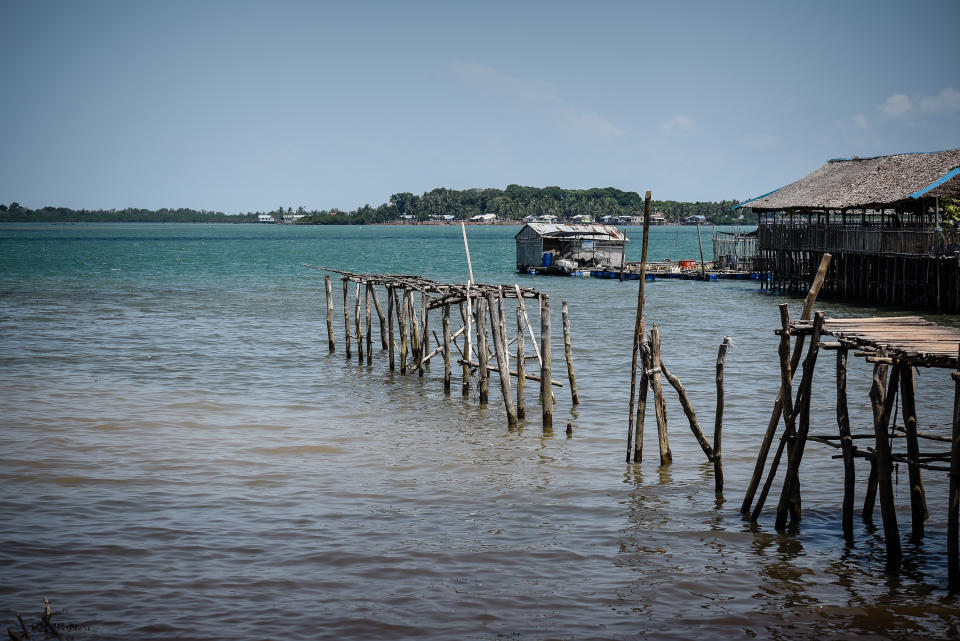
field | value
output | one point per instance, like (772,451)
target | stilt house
(561,249)
(884,220)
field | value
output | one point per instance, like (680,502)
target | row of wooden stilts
(405,334)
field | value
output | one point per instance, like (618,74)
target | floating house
(884,221)
(564,249)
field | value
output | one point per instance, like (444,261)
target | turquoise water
(181,457)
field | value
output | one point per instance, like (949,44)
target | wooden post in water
(641,401)
(568,352)
(666,456)
(346,316)
(891,533)
(718,418)
(328,289)
(703,265)
(688,410)
(468,345)
(500,347)
(953,500)
(778,406)
(359,328)
(376,303)
(483,350)
(918,501)
(638,332)
(877,397)
(424,334)
(521,402)
(391,344)
(846,443)
(546,375)
(790,494)
(445,321)
(367,326)
(413,322)
(402,312)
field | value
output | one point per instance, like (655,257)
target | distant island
(513,204)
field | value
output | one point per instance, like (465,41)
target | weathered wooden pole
(328,289)
(413,321)
(445,321)
(688,410)
(500,347)
(424,335)
(703,265)
(483,350)
(790,494)
(641,401)
(880,370)
(918,501)
(568,352)
(521,381)
(546,375)
(718,418)
(376,303)
(467,345)
(368,327)
(778,406)
(638,331)
(402,312)
(891,533)
(359,328)
(346,317)
(666,456)
(953,500)
(846,443)
(391,344)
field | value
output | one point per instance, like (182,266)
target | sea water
(181,456)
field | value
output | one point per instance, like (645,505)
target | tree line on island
(514,203)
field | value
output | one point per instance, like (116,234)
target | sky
(248,106)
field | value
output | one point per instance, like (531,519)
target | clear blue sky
(240,106)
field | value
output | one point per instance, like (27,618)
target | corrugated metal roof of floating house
(846,183)
(593,231)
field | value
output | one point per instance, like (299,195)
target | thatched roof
(866,182)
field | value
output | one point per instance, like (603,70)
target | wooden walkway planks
(912,339)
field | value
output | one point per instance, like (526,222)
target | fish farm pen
(883,220)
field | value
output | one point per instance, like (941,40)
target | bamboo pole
(483,350)
(376,303)
(367,318)
(846,443)
(666,456)
(391,344)
(638,331)
(718,418)
(891,533)
(521,381)
(953,498)
(778,406)
(546,393)
(790,494)
(513,372)
(445,321)
(494,305)
(568,352)
(688,411)
(918,501)
(328,289)
(346,317)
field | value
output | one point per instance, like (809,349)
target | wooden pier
(484,331)
(896,346)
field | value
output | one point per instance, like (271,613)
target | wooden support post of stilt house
(884,221)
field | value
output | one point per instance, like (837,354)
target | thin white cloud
(947,101)
(678,126)
(897,105)
(540,93)
(860,121)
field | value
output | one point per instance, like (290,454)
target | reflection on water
(180,456)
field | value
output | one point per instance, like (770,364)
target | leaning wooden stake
(483,350)
(718,417)
(328,289)
(402,312)
(346,317)
(877,398)
(638,331)
(779,404)
(445,321)
(666,456)
(546,374)
(688,410)
(391,344)
(521,402)
(368,325)
(500,347)
(376,304)
(568,352)
(891,533)
(953,502)
(424,335)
